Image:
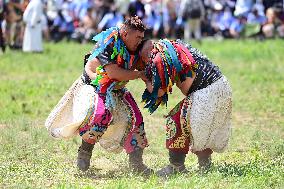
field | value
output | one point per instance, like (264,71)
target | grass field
(31,84)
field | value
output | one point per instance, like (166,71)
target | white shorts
(210,116)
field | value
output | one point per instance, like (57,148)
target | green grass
(31,84)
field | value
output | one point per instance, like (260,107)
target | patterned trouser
(202,120)
(178,131)
(179,136)
(101,118)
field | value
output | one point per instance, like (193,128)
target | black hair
(135,23)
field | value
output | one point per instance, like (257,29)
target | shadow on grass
(257,167)
(225,169)
(96,173)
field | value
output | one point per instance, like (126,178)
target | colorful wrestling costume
(99,111)
(202,120)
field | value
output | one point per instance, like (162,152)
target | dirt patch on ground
(2,126)
(242,118)
(268,123)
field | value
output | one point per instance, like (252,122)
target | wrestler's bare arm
(113,71)
(185,85)
(120,74)
(150,87)
(90,68)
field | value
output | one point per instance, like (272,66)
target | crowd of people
(81,19)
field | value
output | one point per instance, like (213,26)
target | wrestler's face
(133,38)
(146,51)
(145,57)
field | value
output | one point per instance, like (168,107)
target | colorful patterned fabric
(120,56)
(178,131)
(169,62)
(202,120)
(101,118)
(206,73)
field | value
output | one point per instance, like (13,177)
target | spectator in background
(243,7)
(269,27)
(108,4)
(231,4)
(274,24)
(33,30)
(255,21)
(216,17)
(255,17)
(238,27)
(99,11)
(111,19)
(51,11)
(280,27)
(62,27)
(179,30)
(259,7)
(80,8)
(122,7)
(44,22)
(153,19)
(136,7)
(170,17)
(225,22)
(86,28)
(193,12)
(14,21)
(206,27)
(149,19)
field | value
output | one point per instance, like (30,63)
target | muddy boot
(84,155)
(204,159)
(136,163)
(204,162)
(176,165)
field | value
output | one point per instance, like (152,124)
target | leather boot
(204,162)
(136,163)
(176,165)
(204,159)
(84,155)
